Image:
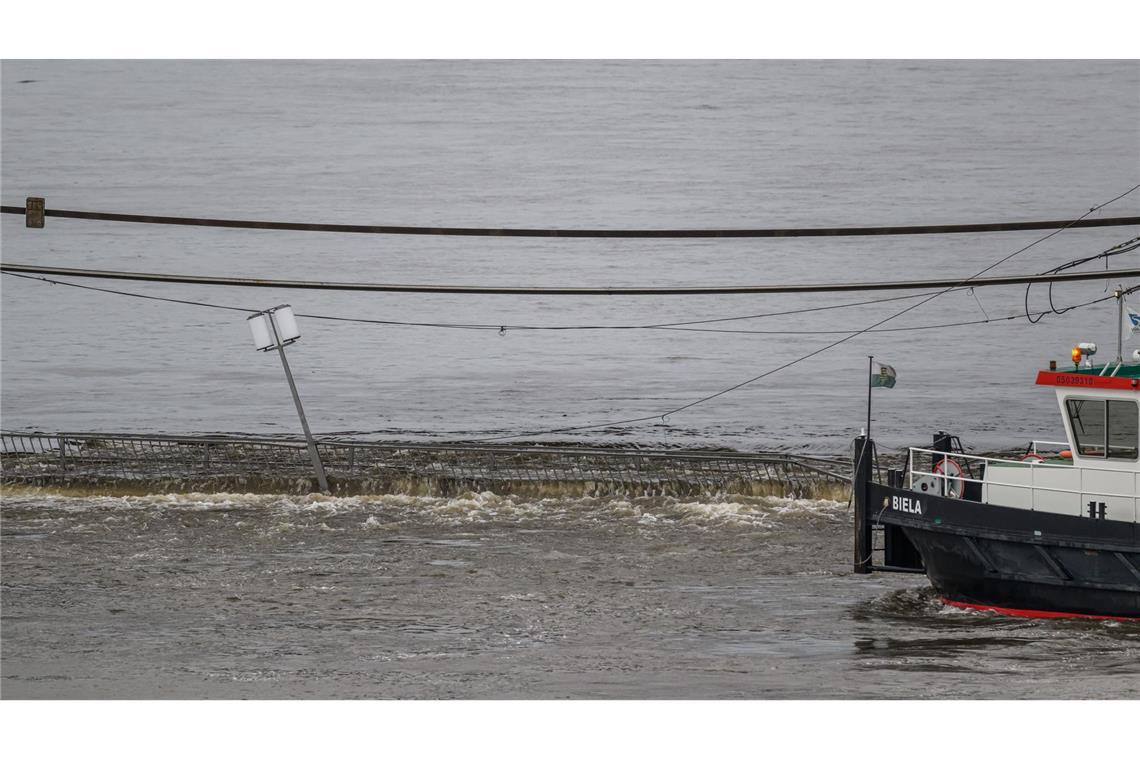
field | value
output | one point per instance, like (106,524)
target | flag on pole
(1133,319)
(885,378)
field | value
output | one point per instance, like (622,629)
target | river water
(236,595)
(228,596)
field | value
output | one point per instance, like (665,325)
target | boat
(1053,532)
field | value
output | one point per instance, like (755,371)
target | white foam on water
(471,508)
(950,610)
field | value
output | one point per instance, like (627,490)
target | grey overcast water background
(223,595)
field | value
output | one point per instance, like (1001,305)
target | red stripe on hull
(1031,613)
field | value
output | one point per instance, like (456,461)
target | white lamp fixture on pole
(273,329)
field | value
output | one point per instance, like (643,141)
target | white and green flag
(1133,319)
(884,378)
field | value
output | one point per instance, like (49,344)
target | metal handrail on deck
(1034,466)
(1061,445)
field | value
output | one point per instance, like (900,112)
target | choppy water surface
(232,596)
(260,596)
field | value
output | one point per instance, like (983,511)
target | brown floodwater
(243,596)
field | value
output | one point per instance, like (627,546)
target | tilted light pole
(273,329)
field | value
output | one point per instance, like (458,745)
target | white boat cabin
(1094,473)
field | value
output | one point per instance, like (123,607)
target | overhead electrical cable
(972,281)
(502,327)
(390,229)
(912,328)
(50,281)
(834,287)
(675,326)
(1126,247)
(497,326)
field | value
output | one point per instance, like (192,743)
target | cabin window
(1104,428)
(1087,418)
(1122,421)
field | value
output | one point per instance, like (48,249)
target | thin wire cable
(50,281)
(827,347)
(1125,247)
(791,311)
(677,326)
(912,328)
(503,327)
(979,302)
(474,326)
(994,320)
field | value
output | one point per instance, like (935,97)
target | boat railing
(940,466)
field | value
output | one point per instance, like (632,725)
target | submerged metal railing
(133,463)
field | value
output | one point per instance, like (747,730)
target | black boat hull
(1017,560)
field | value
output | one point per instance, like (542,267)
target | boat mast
(870,377)
(1119,293)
